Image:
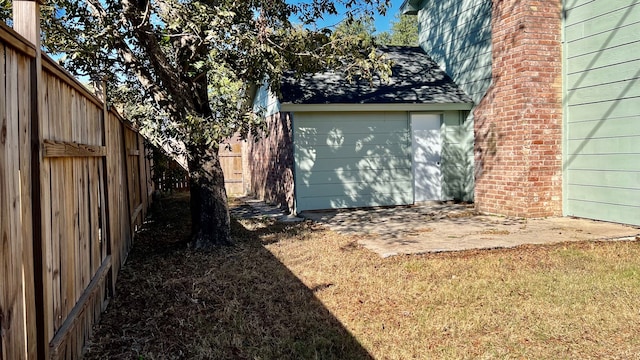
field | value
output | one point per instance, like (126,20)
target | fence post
(26,22)
(101,92)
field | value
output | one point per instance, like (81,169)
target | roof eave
(410,7)
(432,107)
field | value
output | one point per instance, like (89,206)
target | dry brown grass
(302,292)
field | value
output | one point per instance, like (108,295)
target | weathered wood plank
(12,327)
(68,254)
(53,148)
(26,108)
(4,201)
(46,214)
(56,207)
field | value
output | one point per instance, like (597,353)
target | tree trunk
(210,222)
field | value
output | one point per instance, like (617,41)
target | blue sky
(382,23)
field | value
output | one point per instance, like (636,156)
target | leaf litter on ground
(300,291)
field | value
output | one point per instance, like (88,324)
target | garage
(336,142)
(602,111)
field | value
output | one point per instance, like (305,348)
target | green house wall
(457,156)
(457,35)
(602,110)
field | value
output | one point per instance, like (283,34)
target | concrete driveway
(437,227)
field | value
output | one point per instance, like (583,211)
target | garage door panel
(359,189)
(338,152)
(352,160)
(381,176)
(345,201)
(340,139)
(375,162)
(347,124)
(602,113)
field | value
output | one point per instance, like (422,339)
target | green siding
(457,35)
(457,156)
(602,110)
(352,160)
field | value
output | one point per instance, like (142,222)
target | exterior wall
(518,124)
(462,48)
(457,35)
(265,102)
(269,162)
(602,110)
(457,156)
(506,54)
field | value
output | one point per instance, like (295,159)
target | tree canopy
(189,69)
(404,32)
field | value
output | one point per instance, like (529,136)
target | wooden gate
(231,161)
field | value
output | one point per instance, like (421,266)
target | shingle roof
(415,78)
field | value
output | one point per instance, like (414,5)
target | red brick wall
(269,164)
(518,124)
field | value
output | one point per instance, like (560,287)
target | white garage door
(602,113)
(351,159)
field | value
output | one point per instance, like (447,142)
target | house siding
(457,156)
(506,54)
(602,110)
(457,35)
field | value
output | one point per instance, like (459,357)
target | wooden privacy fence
(75,182)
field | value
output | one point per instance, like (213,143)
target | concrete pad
(452,227)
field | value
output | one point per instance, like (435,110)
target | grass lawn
(298,291)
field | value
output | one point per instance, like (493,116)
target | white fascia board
(373,107)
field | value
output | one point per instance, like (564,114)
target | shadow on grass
(236,302)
